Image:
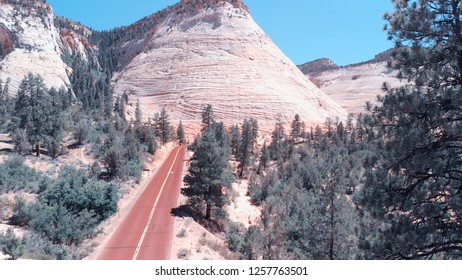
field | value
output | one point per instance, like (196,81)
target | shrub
(16,176)
(11,245)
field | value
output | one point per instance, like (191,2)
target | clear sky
(346,31)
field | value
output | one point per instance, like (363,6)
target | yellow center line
(137,251)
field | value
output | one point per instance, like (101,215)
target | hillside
(353,85)
(213,52)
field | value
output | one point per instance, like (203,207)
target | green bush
(11,245)
(22,212)
(16,176)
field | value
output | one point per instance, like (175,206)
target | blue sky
(346,31)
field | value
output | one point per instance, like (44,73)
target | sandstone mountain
(212,52)
(182,58)
(31,40)
(353,85)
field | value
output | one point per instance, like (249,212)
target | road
(146,232)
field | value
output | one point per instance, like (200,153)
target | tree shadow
(186,211)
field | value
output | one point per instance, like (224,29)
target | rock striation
(36,46)
(353,85)
(212,52)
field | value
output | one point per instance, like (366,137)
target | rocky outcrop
(37,43)
(212,52)
(6,42)
(75,39)
(318,66)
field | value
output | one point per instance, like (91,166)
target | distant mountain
(318,66)
(353,85)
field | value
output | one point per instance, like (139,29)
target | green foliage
(180,134)
(162,125)
(21,143)
(209,173)
(22,212)
(297,128)
(246,144)
(70,208)
(412,187)
(11,245)
(427,38)
(243,240)
(207,117)
(6,107)
(16,176)
(76,192)
(81,131)
(37,113)
(63,227)
(235,138)
(306,202)
(278,137)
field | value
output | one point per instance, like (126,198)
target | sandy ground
(131,194)
(193,242)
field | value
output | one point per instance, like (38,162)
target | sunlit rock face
(37,44)
(212,52)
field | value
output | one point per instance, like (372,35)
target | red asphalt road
(147,230)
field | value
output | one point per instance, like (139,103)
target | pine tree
(245,147)
(209,173)
(277,138)
(207,117)
(164,126)
(180,134)
(427,39)
(413,180)
(138,117)
(235,138)
(34,112)
(296,128)
(264,158)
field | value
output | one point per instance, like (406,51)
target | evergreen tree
(34,112)
(277,139)
(180,134)
(11,245)
(207,117)
(235,138)
(163,125)
(264,158)
(6,107)
(296,128)
(413,180)
(209,173)
(427,39)
(138,117)
(245,146)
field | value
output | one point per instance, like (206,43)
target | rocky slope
(353,85)
(32,42)
(212,52)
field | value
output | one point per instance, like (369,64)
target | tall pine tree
(209,173)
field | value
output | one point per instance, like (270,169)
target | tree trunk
(208,212)
(37,150)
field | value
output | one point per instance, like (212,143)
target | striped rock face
(213,52)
